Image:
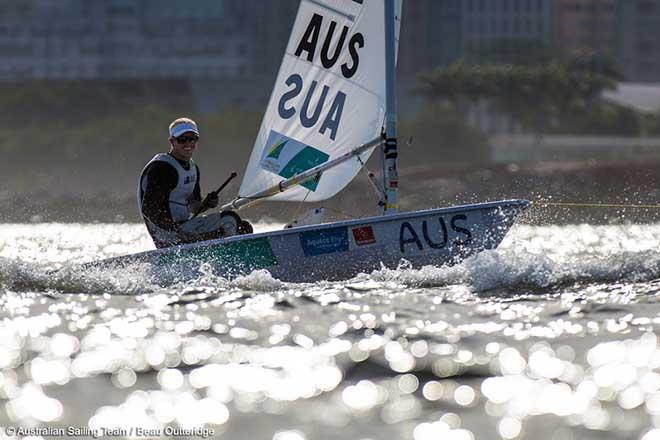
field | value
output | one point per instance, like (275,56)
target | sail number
(434,235)
(310,40)
(332,118)
(309,113)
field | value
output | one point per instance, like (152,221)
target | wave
(509,268)
(501,269)
(136,279)
(20,276)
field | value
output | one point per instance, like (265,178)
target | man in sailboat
(169,195)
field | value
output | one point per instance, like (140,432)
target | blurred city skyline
(245,39)
(89,86)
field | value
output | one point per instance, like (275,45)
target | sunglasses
(185,139)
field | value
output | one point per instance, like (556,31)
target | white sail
(329,97)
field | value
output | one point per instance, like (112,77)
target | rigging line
(362,164)
(295,214)
(597,205)
(371,178)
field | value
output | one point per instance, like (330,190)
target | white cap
(183,127)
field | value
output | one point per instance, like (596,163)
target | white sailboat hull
(340,250)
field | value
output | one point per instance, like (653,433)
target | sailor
(169,195)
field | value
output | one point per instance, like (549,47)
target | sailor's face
(184,146)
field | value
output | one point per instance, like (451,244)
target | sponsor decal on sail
(287,157)
(364,236)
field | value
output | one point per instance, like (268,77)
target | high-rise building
(430,35)
(495,29)
(268,26)
(586,25)
(107,39)
(639,39)
(244,40)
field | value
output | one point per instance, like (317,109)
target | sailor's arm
(196,202)
(162,179)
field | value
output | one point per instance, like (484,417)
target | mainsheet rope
(597,205)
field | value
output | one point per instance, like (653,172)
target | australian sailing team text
(85,431)
(307,48)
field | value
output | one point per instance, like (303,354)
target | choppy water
(553,335)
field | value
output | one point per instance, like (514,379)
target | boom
(240,202)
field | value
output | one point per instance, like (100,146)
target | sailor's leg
(163,238)
(216,225)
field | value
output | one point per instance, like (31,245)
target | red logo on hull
(364,235)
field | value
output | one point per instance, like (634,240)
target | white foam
(531,256)
(540,257)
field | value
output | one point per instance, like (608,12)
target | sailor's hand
(194,206)
(211,201)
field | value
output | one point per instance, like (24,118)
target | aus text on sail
(307,47)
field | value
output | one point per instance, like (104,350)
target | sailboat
(332,105)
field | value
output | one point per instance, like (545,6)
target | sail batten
(336,11)
(329,97)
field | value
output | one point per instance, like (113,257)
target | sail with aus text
(329,97)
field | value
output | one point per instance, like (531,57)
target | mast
(390,173)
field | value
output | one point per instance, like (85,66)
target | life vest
(180,196)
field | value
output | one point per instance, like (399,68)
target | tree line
(552,96)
